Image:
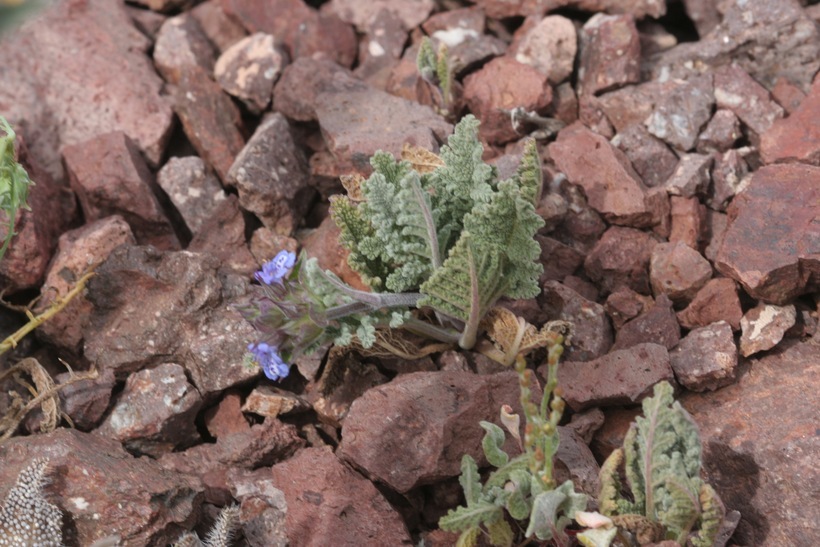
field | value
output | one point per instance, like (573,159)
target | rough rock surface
(650,157)
(223,237)
(680,114)
(329,504)
(610,54)
(657,324)
(690,177)
(591,332)
(721,133)
(797,137)
(762,429)
(678,271)
(735,90)
(621,258)
(195,192)
(763,327)
(772,244)
(181,44)
(248,69)
(415,429)
(262,507)
(550,47)
(706,358)
(717,300)
(619,377)
(687,222)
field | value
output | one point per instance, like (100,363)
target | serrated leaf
(492,444)
(353,186)
(462,518)
(501,535)
(469,537)
(470,480)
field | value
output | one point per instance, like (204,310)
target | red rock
(226,417)
(415,429)
(680,114)
(411,12)
(209,118)
(796,138)
(78,252)
(690,177)
(271,176)
(582,226)
(633,104)
(574,461)
(110,177)
(678,271)
(735,90)
(501,85)
(223,236)
(559,260)
(625,304)
(592,115)
(763,327)
(303,30)
(704,14)
(295,94)
(86,401)
(620,377)
(728,178)
(104,491)
(118,91)
(271,402)
(380,49)
(611,435)
(772,245)
(181,44)
(161,5)
(706,358)
(584,287)
(550,47)
(499,9)
(564,103)
(248,69)
(220,29)
(688,219)
(610,54)
(148,22)
(591,332)
(714,232)
(658,325)
(265,244)
(760,445)
(586,424)
(721,133)
(155,412)
(621,258)
(329,504)
(768,40)
(470,18)
(650,157)
(262,507)
(613,188)
(717,300)
(787,95)
(195,192)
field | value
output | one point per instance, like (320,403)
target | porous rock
(223,236)
(248,69)
(763,327)
(181,44)
(634,103)
(380,50)
(760,445)
(717,300)
(415,429)
(796,138)
(706,358)
(86,401)
(411,12)
(591,332)
(679,115)
(550,47)
(194,191)
(620,377)
(220,29)
(330,504)
(610,54)
(103,491)
(657,324)
(678,271)
(621,258)
(296,93)
(772,243)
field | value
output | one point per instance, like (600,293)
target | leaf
(470,480)
(518,504)
(353,186)
(551,510)
(469,537)
(492,444)
(462,518)
(355,229)
(513,335)
(500,533)
(597,537)
(420,159)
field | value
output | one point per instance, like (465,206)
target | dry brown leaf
(513,335)
(420,159)
(353,186)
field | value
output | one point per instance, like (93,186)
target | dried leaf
(420,159)
(353,185)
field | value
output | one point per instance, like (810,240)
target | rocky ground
(175,148)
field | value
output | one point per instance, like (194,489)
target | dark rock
(787,95)
(706,358)
(574,461)
(564,103)
(110,177)
(717,300)
(678,271)
(680,114)
(625,304)
(688,217)
(303,30)
(582,226)
(86,401)
(620,377)
(760,445)
(639,9)
(586,424)
(796,138)
(591,332)
(611,435)
(223,237)
(248,69)
(610,54)
(771,245)
(768,40)
(155,413)
(471,19)
(735,90)
(415,429)
(763,327)
(721,133)
(118,90)
(611,185)
(148,22)
(728,178)
(657,325)
(209,118)
(500,86)
(78,252)
(650,157)
(271,176)
(582,286)
(344,381)
(161,5)
(690,177)
(182,45)
(194,191)
(329,504)
(559,260)
(104,491)
(549,46)
(621,259)
(220,29)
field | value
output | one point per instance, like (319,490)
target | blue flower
(268,358)
(275,270)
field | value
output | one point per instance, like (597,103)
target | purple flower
(275,270)
(268,358)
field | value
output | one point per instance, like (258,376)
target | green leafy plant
(437,70)
(521,487)
(14,183)
(661,459)
(439,240)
